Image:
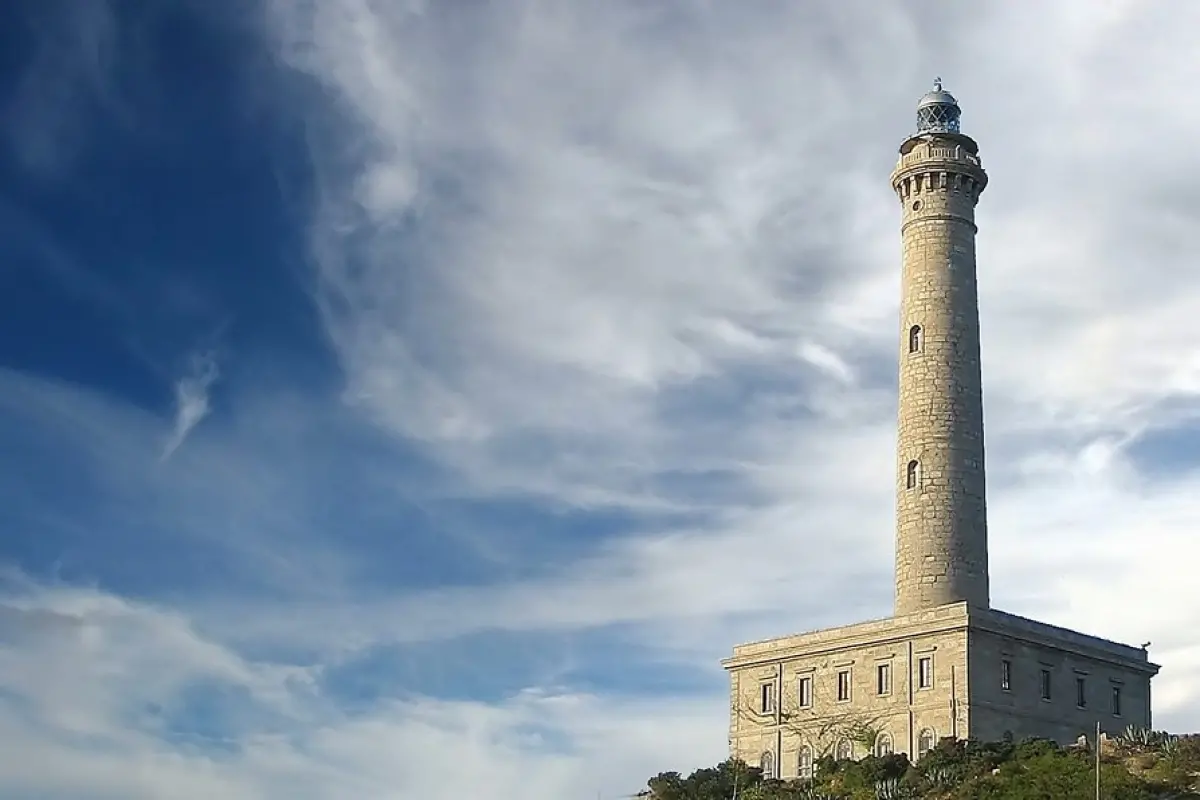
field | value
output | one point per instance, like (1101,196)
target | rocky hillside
(1140,765)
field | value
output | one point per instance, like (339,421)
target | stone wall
(1067,657)
(965,699)
(901,713)
(941,524)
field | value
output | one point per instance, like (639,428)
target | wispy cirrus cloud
(191,399)
(168,712)
(577,284)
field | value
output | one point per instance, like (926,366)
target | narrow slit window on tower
(913,477)
(916,339)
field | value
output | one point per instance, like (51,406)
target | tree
(666,786)
(821,733)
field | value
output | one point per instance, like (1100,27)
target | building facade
(946,664)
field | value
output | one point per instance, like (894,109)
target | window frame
(916,339)
(805,763)
(924,675)
(922,750)
(848,685)
(883,679)
(804,691)
(766,697)
(912,475)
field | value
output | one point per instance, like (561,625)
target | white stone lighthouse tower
(946,664)
(941,516)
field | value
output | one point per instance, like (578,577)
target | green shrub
(966,770)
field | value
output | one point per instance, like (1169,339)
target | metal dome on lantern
(938,111)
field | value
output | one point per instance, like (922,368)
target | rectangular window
(1006,675)
(843,685)
(1046,684)
(804,692)
(767,698)
(1116,701)
(1081,692)
(925,672)
(883,679)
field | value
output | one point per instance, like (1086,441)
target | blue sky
(398,398)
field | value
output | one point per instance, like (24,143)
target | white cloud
(593,186)
(92,685)
(191,399)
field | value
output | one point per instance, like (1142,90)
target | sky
(411,399)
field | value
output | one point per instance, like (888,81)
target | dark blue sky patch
(492,666)
(169,233)
(221,518)
(1167,453)
(517,539)
(730,394)
(208,717)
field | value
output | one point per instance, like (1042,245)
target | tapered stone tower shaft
(941,516)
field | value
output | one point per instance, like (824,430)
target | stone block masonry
(941,519)
(955,670)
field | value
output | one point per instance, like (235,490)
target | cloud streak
(126,669)
(191,400)
(575,283)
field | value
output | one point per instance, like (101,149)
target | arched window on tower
(845,750)
(912,479)
(883,745)
(766,763)
(916,339)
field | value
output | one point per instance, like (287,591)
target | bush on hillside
(1155,767)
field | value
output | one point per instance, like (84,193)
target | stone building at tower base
(901,684)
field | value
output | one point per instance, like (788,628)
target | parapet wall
(1041,632)
(850,636)
(931,621)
